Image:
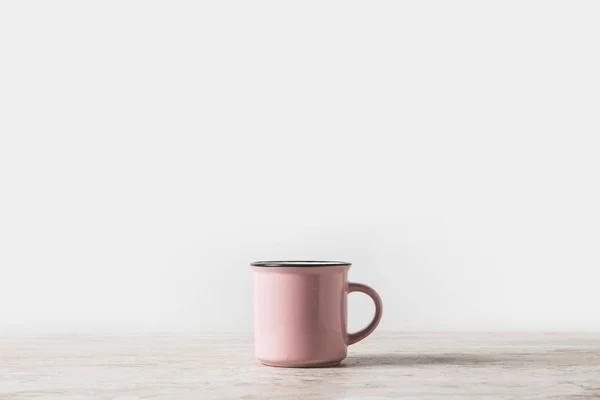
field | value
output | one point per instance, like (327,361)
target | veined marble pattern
(383,366)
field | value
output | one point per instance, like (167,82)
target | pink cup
(300,312)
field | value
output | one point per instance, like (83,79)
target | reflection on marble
(384,366)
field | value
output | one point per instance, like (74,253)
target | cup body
(300,314)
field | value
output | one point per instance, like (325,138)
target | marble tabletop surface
(221,366)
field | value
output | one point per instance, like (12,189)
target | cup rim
(300,263)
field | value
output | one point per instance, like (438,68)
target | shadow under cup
(300,312)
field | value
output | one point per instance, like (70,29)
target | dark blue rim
(303,263)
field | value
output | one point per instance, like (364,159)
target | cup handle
(360,335)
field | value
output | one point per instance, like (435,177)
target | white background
(150,150)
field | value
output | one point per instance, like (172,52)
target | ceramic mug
(300,312)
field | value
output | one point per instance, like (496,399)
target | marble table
(383,366)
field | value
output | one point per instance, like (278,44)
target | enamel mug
(300,310)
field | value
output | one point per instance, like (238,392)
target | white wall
(150,150)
